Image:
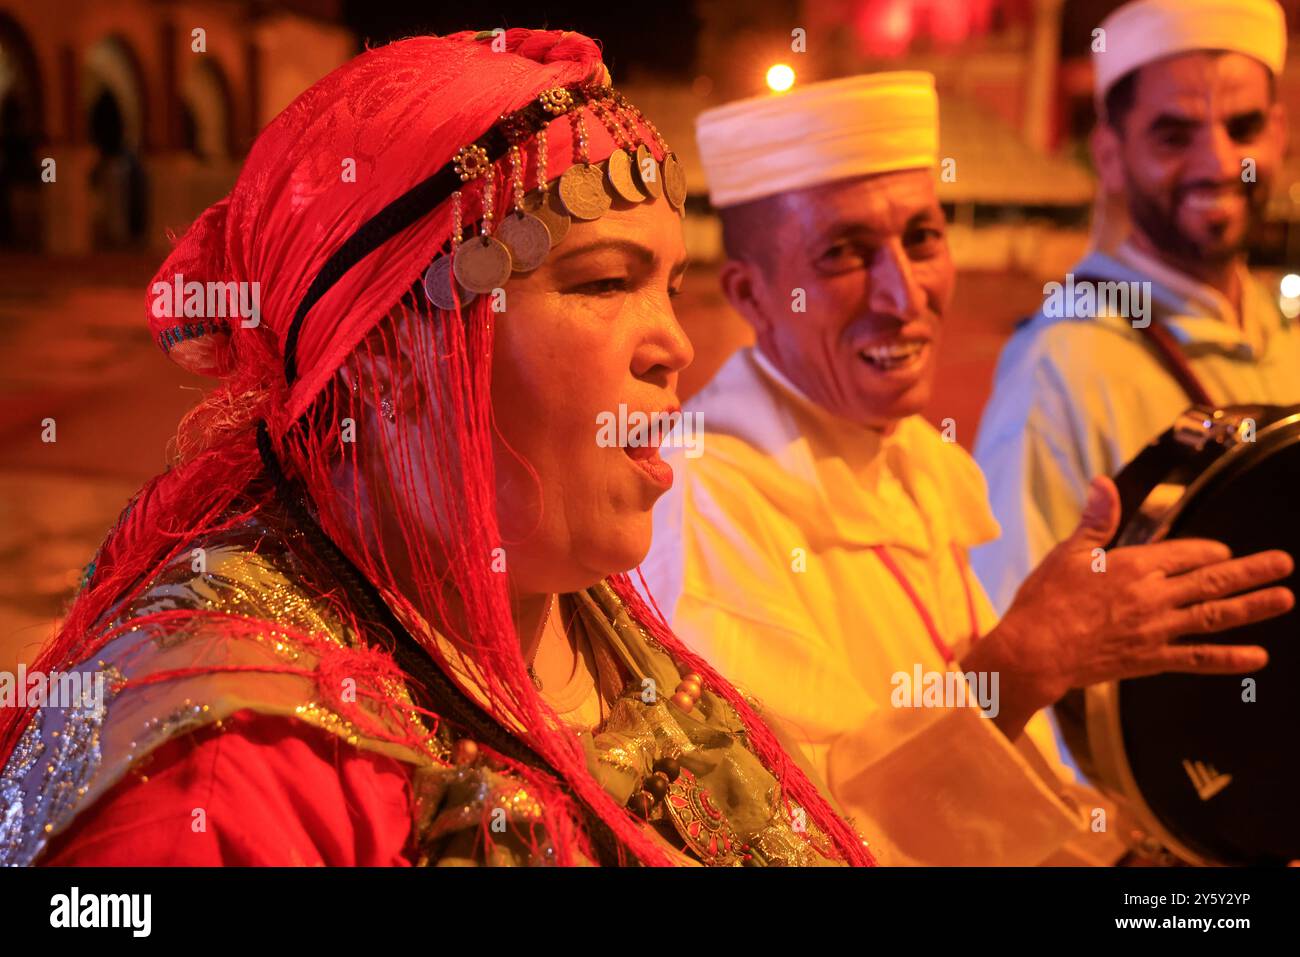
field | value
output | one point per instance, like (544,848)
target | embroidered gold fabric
(262,570)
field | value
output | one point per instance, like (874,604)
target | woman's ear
(367,374)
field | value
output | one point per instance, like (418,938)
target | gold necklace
(546,617)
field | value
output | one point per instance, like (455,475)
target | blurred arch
(22,119)
(208,108)
(113,100)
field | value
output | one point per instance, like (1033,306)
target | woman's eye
(602,287)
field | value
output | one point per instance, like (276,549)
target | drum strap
(1169,352)
(922,612)
(1176,363)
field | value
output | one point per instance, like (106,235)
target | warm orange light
(780,78)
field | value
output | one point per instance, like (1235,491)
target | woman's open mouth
(646,458)
(643,449)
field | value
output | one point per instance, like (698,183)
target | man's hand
(1071,626)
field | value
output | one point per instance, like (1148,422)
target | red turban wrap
(360,138)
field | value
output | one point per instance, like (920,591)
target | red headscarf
(338,155)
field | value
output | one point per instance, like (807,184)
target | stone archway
(22,133)
(208,121)
(113,102)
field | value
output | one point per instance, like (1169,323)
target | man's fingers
(1209,659)
(1228,578)
(1100,516)
(1210,616)
(1178,555)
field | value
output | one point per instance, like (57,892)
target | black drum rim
(1102,714)
(1263,438)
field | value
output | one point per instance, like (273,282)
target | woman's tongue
(641,452)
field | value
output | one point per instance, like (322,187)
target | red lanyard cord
(927,619)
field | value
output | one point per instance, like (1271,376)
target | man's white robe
(762,560)
(1074,398)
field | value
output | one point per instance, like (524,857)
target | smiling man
(1191,135)
(816,550)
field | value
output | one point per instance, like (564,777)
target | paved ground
(74,347)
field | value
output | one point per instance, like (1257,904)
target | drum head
(1214,758)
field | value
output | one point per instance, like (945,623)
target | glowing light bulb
(780,78)
(1291,286)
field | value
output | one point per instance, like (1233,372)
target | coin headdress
(518,238)
(373,216)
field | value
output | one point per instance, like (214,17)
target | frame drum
(1206,764)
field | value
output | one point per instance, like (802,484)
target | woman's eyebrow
(643,254)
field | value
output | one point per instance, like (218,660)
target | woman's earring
(386,409)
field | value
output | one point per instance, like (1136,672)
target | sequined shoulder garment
(722,808)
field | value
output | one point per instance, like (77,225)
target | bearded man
(1191,134)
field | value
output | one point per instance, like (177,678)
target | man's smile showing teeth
(1205,200)
(895,355)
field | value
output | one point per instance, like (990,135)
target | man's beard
(1162,228)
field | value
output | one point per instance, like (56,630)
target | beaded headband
(538,220)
